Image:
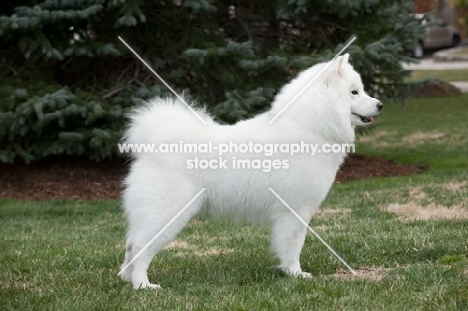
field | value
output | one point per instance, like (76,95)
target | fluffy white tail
(164,120)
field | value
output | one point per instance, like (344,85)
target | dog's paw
(146,285)
(304,275)
(127,277)
(297,273)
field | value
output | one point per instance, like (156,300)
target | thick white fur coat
(160,185)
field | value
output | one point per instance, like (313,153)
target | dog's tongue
(370,119)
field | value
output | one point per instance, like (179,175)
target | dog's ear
(342,60)
(338,70)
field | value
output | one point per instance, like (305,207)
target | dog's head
(362,108)
(330,94)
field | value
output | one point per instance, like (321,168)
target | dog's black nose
(379,106)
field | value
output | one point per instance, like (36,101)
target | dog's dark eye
(354,92)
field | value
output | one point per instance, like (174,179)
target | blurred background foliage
(67,81)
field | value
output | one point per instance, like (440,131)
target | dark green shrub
(67,80)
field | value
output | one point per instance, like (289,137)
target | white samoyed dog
(159,185)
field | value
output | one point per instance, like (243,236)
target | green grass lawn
(444,75)
(63,255)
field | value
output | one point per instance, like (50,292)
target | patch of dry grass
(332,212)
(417,193)
(182,245)
(367,273)
(10,281)
(420,137)
(454,186)
(414,211)
(179,244)
(421,206)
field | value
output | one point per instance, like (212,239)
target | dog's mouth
(364,119)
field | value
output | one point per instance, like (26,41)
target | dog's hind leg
(287,239)
(126,274)
(147,222)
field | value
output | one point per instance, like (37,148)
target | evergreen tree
(67,81)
